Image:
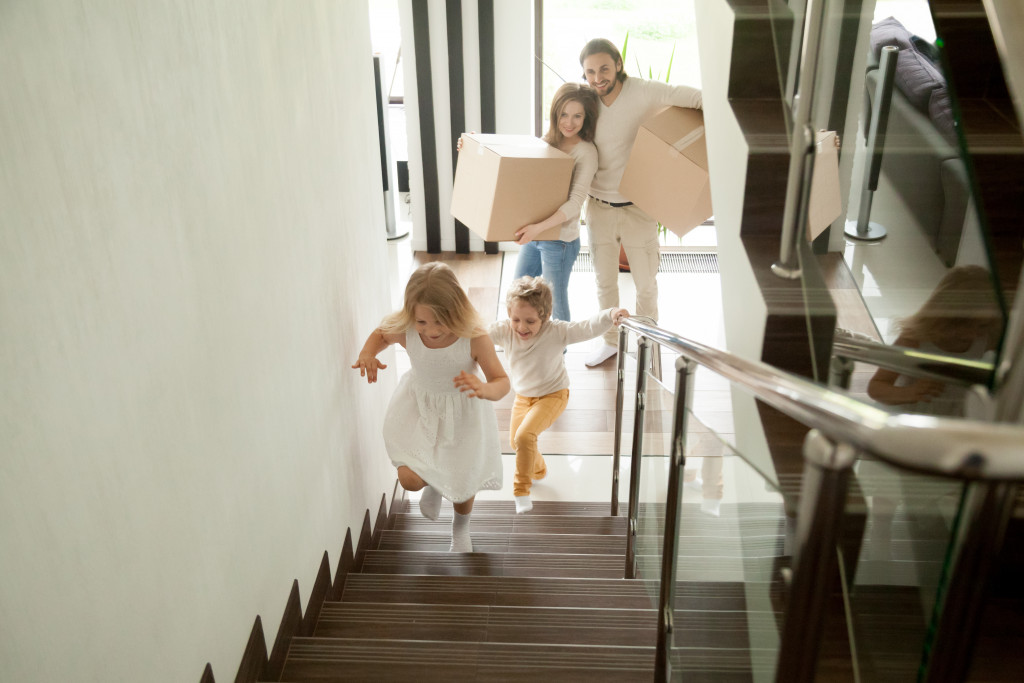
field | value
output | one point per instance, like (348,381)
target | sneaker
(603,353)
(523,504)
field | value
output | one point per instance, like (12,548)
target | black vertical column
(485,19)
(457,101)
(428,143)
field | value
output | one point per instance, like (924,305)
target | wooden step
(693,523)
(545,592)
(702,546)
(352,659)
(711,568)
(506,624)
(508,507)
(528,523)
(489,623)
(690,509)
(493,564)
(494,542)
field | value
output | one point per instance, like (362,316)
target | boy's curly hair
(534,291)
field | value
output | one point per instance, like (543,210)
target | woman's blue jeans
(551,259)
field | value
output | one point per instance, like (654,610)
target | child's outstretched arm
(497,384)
(598,324)
(367,362)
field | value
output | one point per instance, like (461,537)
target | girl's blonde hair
(435,286)
(964,296)
(573,92)
(534,291)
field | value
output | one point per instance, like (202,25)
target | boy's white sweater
(537,366)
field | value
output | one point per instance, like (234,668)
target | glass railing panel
(732,550)
(906,524)
(732,534)
(930,279)
(654,472)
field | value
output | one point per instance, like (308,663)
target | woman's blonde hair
(573,92)
(534,291)
(435,286)
(965,295)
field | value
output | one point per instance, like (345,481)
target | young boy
(534,345)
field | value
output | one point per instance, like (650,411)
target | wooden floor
(587,426)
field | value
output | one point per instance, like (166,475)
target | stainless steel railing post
(673,508)
(827,469)
(620,392)
(642,352)
(802,148)
(863,228)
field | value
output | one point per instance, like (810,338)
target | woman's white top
(584,156)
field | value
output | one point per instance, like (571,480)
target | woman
(573,115)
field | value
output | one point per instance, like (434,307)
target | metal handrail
(948,447)
(913,362)
(843,430)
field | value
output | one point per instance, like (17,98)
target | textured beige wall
(191,252)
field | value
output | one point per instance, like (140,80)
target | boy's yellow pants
(530,417)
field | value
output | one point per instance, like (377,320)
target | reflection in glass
(930,284)
(961,319)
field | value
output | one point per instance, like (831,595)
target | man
(611,218)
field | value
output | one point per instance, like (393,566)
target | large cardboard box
(825,204)
(667,171)
(504,182)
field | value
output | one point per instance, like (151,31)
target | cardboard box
(504,182)
(825,204)
(667,171)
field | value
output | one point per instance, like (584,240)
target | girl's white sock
(461,541)
(523,504)
(430,502)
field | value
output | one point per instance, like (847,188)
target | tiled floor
(578,447)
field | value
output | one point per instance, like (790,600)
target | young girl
(573,119)
(439,436)
(534,346)
(961,318)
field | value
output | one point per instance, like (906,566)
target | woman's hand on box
(526,234)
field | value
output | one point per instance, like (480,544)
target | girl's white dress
(447,438)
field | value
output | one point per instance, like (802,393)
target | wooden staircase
(540,597)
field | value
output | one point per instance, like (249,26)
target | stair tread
(541,507)
(493,564)
(384,659)
(537,617)
(524,542)
(692,525)
(542,591)
(530,523)
(500,542)
(362,659)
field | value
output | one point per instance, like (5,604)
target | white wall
(187,217)
(743,307)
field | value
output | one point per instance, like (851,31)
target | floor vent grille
(671,262)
